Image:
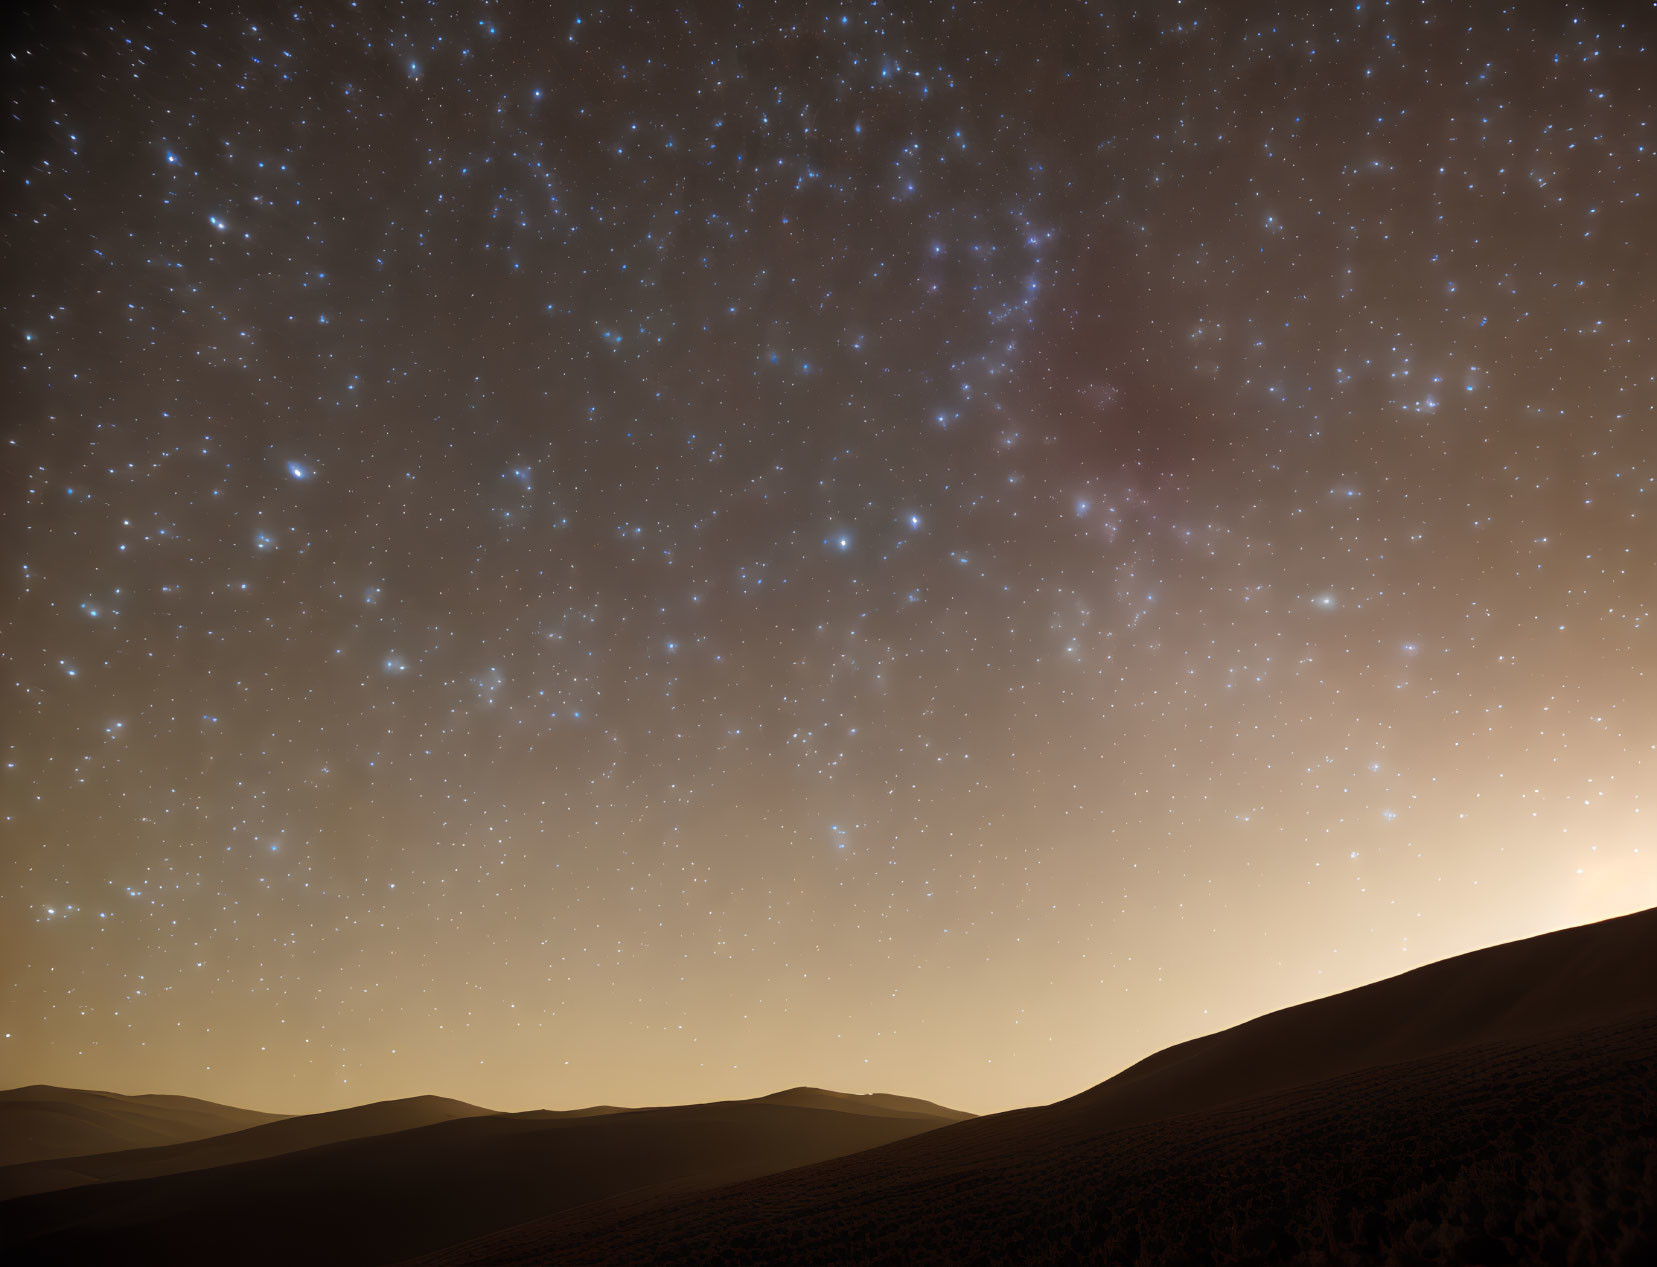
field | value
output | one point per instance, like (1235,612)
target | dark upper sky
(563,554)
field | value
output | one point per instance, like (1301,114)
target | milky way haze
(564,555)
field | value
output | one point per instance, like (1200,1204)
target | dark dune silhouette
(392,1196)
(289,1135)
(1496,1107)
(595,1110)
(876,1105)
(41,1122)
(270,1139)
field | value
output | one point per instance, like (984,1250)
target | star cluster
(632,554)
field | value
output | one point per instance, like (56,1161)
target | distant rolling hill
(269,1139)
(40,1122)
(391,1196)
(876,1105)
(1497,1107)
(293,1134)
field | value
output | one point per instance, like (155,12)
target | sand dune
(288,1135)
(270,1139)
(1573,979)
(1509,1153)
(40,1122)
(1496,1107)
(393,1196)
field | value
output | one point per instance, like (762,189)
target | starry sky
(558,555)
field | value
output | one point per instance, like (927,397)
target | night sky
(566,555)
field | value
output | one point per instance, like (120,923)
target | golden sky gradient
(555,558)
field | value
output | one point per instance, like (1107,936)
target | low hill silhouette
(875,1105)
(391,1196)
(41,1122)
(596,1110)
(312,1130)
(269,1139)
(1496,1107)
